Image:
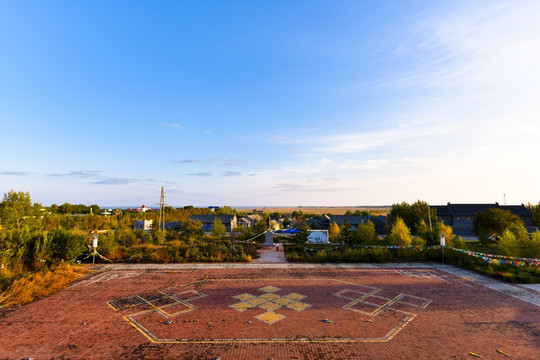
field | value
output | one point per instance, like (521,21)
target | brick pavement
(270,255)
(261,313)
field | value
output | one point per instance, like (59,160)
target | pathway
(269,255)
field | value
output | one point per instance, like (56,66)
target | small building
(318,237)
(145,225)
(248,221)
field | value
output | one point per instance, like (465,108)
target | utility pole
(429,217)
(162,210)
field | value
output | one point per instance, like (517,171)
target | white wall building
(145,225)
(318,237)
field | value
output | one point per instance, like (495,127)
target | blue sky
(270,102)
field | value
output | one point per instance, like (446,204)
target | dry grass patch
(36,286)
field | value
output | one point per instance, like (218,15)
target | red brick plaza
(277,313)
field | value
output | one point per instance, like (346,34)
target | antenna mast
(162,210)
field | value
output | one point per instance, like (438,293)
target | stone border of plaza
(530,293)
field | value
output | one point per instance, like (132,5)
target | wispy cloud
(115,181)
(353,142)
(14,173)
(79,174)
(233,162)
(188,161)
(232,173)
(201,174)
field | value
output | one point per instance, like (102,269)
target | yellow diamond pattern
(270,302)
(270,317)
(244,297)
(270,306)
(283,300)
(298,306)
(270,296)
(242,306)
(295,296)
(269,289)
(257,301)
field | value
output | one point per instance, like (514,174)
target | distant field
(319,210)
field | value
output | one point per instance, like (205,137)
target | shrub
(38,285)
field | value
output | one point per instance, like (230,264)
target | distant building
(354,220)
(318,237)
(145,225)
(247,222)
(142,209)
(461,216)
(208,221)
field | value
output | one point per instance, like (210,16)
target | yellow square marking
(175,309)
(269,296)
(283,300)
(270,317)
(298,306)
(242,306)
(295,296)
(244,297)
(257,301)
(270,306)
(269,289)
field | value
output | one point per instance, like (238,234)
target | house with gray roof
(249,221)
(207,221)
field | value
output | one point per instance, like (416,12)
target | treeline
(34,238)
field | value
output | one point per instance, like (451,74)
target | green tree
(400,235)
(412,215)
(346,234)
(535,210)
(191,231)
(67,244)
(107,243)
(302,236)
(225,210)
(218,229)
(532,248)
(14,208)
(65,208)
(366,233)
(126,237)
(508,244)
(494,222)
(157,236)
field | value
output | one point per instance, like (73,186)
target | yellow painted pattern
(270,302)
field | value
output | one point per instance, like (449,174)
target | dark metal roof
(351,219)
(225,219)
(471,209)
(442,210)
(519,210)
